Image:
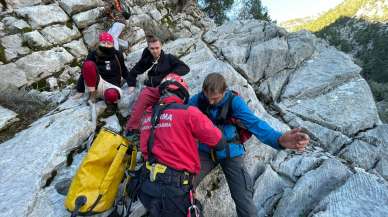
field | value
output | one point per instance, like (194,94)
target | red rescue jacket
(177,135)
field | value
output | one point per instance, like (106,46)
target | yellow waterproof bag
(96,183)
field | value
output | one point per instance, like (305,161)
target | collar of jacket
(168,100)
(223,100)
(101,54)
(171,99)
(161,58)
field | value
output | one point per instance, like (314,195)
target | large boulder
(88,18)
(36,40)
(13,46)
(22,3)
(12,75)
(91,34)
(77,48)
(311,188)
(43,15)
(59,34)
(75,6)
(328,139)
(369,150)
(362,195)
(42,147)
(295,166)
(41,64)
(269,188)
(7,117)
(327,69)
(14,25)
(343,99)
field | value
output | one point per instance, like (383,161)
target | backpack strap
(203,105)
(155,118)
(222,117)
(119,64)
(226,111)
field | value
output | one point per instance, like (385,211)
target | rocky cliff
(288,79)
(359,28)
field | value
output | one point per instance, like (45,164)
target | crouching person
(102,72)
(156,64)
(168,134)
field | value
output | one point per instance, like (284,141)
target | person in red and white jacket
(172,143)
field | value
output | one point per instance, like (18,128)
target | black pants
(239,181)
(162,200)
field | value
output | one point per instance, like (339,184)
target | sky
(282,10)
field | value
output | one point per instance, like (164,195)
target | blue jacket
(240,111)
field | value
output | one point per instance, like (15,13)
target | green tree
(253,9)
(216,9)
(4,4)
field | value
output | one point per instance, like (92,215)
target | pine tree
(216,9)
(253,9)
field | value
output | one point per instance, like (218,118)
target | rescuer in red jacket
(168,140)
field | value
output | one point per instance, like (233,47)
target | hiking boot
(111,108)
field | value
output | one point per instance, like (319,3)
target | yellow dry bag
(95,185)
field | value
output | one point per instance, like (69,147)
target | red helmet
(175,84)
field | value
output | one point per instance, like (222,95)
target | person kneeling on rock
(156,64)
(102,72)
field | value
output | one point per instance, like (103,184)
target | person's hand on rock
(294,139)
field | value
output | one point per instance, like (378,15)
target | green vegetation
(368,44)
(26,29)
(346,9)
(69,24)
(4,4)
(380,90)
(2,54)
(218,9)
(75,63)
(168,21)
(253,9)
(41,85)
(374,54)
(364,35)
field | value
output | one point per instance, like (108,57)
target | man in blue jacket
(231,114)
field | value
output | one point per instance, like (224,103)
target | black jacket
(108,67)
(167,63)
